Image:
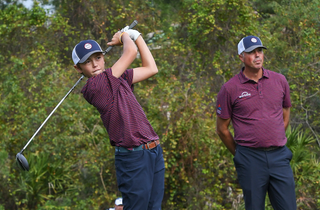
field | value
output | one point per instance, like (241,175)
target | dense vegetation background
(195,46)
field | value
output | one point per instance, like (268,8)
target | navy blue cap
(249,43)
(84,49)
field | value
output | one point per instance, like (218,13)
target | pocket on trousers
(235,157)
(130,160)
(289,153)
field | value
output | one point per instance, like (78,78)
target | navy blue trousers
(140,177)
(260,172)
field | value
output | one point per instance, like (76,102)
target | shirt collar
(244,79)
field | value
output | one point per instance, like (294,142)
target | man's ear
(78,69)
(241,57)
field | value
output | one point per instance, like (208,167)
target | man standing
(257,101)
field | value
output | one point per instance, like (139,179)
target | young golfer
(138,155)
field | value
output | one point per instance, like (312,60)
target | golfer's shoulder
(275,75)
(96,83)
(232,83)
(97,80)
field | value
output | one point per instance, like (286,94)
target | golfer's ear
(78,69)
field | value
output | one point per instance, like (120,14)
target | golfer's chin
(257,66)
(95,73)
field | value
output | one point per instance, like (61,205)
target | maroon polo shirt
(122,115)
(256,109)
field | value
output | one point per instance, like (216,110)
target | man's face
(93,66)
(254,59)
(118,207)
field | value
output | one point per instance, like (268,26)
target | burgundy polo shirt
(256,109)
(122,115)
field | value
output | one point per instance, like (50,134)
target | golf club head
(22,162)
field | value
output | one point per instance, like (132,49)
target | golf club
(21,160)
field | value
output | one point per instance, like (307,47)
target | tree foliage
(194,44)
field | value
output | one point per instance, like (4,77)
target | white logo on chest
(245,94)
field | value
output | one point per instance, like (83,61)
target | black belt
(148,145)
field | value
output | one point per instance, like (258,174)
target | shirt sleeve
(286,99)
(128,77)
(115,82)
(224,104)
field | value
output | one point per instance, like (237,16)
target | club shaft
(44,122)
(133,24)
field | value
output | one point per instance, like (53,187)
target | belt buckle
(148,144)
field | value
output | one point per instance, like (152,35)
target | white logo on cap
(254,40)
(88,46)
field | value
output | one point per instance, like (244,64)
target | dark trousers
(140,177)
(266,171)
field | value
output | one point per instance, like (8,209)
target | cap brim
(254,47)
(88,55)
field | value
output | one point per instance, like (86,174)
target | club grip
(133,24)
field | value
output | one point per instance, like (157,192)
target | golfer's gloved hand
(134,34)
(124,29)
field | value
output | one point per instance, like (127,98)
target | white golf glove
(125,29)
(134,34)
